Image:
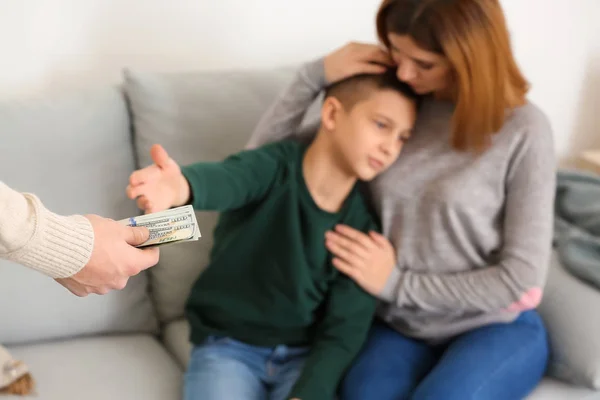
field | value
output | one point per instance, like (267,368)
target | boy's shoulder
(285,153)
(361,214)
(282,149)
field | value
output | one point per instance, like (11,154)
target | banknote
(168,227)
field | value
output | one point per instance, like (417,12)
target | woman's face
(426,72)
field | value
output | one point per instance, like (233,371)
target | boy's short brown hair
(357,88)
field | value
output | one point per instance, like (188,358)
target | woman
(467,209)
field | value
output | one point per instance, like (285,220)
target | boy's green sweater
(270,280)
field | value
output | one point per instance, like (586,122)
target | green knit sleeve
(238,180)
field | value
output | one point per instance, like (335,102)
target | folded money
(167,227)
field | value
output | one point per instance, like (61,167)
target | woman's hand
(367,259)
(356,58)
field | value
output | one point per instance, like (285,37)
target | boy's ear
(330,112)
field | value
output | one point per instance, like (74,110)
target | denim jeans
(223,368)
(495,362)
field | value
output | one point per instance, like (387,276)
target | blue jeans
(223,368)
(495,362)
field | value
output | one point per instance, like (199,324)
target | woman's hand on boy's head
(367,259)
(159,186)
(356,58)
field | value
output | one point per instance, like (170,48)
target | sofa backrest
(202,116)
(75,153)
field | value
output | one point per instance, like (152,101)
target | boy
(271,317)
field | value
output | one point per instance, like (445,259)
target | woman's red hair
(473,36)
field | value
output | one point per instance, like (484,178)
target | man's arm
(33,236)
(86,254)
(340,335)
(238,180)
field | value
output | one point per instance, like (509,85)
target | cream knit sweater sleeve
(31,235)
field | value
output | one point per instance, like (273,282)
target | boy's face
(369,136)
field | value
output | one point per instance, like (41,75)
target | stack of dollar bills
(167,227)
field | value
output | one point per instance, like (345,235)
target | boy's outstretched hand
(159,186)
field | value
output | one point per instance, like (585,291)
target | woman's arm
(515,283)
(284,117)
(282,120)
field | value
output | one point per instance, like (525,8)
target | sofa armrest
(570,311)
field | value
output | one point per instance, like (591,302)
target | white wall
(557,43)
(58,45)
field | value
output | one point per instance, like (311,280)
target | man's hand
(159,186)
(114,259)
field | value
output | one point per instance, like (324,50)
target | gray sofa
(76,152)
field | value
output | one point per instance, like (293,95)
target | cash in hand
(167,227)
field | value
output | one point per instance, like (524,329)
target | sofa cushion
(102,368)
(552,389)
(176,337)
(196,117)
(75,153)
(569,309)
